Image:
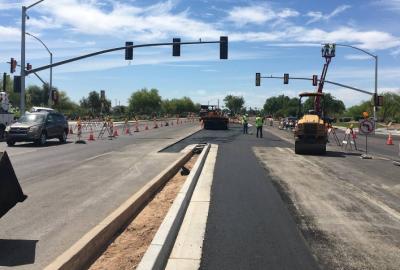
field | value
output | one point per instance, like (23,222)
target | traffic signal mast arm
(325,81)
(223,43)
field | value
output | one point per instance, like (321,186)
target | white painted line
(186,254)
(94,157)
(280,149)
(290,150)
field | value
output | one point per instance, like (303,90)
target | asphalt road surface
(72,187)
(272,209)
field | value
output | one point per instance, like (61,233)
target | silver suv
(38,127)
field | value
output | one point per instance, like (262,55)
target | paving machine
(311,132)
(213,118)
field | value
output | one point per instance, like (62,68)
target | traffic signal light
(4,82)
(28,66)
(13,65)
(286,78)
(223,47)
(378,100)
(315,80)
(17,84)
(54,96)
(258,79)
(176,47)
(129,51)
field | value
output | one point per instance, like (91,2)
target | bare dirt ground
(350,219)
(128,248)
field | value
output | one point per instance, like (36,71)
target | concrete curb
(180,139)
(85,251)
(157,254)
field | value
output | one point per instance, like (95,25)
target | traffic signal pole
(22,73)
(120,49)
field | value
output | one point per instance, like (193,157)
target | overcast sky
(271,37)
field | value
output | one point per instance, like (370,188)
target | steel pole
(376,84)
(22,73)
(51,79)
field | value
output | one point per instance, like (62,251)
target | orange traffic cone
(91,136)
(389,140)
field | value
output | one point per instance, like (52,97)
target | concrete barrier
(86,250)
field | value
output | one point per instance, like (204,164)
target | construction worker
(259,125)
(245,124)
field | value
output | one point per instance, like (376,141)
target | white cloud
(258,14)
(318,16)
(371,40)
(154,22)
(9,33)
(393,5)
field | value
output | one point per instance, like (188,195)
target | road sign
(367,126)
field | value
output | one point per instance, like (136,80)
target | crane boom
(328,51)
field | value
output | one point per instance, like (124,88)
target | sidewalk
(249,226)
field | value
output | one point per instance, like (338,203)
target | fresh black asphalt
(249,226)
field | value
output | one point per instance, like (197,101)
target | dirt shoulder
(126,251)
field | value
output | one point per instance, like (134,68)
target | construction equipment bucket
(10,189)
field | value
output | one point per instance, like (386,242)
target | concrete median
(90,246)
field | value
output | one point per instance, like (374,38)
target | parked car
(38,127)
(289,122)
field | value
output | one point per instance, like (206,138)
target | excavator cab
(311,131)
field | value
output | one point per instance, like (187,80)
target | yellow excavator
(311,131)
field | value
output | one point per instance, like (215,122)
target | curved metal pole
(356,48)
(51,62)
(376,69)
(38,39)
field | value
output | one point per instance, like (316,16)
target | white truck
(6,118)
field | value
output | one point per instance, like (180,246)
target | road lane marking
(94,157)
(280,149)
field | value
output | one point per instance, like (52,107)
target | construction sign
(367,126)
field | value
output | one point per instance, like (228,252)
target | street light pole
(51,68)
(376,69)
(22,73)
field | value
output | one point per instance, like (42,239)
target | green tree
(145,102)
(391,107)
(333,106)
(93,105)
(234,103)
(180,106)
(356,111)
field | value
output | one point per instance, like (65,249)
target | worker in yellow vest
(259,125)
